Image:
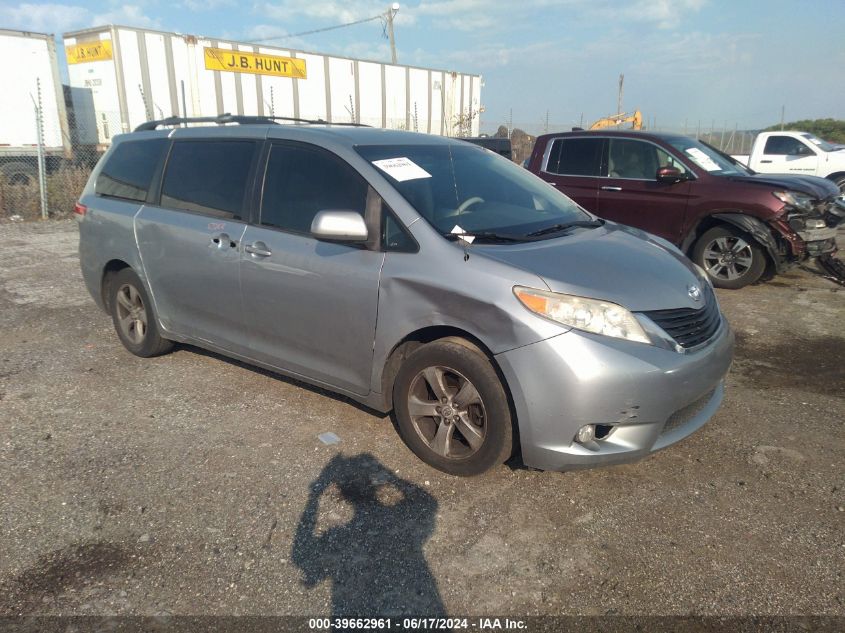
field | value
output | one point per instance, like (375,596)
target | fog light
(586,434)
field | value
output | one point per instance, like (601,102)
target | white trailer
(121,77)
(29,77)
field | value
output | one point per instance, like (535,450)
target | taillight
(79,208)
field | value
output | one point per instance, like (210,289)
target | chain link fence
(42,181)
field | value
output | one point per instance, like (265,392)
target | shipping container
(123,76)
(29,77)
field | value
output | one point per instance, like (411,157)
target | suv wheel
(452,409)
(133,316)
(730,257)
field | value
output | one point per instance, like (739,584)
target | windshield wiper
(486,236)
(559,228)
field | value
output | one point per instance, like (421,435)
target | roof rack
(222,119)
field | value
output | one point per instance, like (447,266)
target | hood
(613,262)
(819,188)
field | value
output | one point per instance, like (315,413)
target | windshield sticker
(702,159)
(401,169)
(459,231)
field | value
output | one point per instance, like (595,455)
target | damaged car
(412,273)
(736,224)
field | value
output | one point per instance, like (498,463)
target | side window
(208,177)
(575,157)
(779,145)
(665,159)
(394,237)
(129,169)
(628,158)
(302,181)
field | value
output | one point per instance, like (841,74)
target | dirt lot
(188,484)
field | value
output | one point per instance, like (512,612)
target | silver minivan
(413,273)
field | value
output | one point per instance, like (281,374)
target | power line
(380,16)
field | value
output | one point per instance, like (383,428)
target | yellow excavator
(635,119)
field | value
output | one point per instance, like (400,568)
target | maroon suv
(731,221)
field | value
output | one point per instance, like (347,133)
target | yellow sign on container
(254,63)
(99,51)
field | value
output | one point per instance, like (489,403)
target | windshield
(708,158)
(822,145)
(474,190)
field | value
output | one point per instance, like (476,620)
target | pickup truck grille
(690,326)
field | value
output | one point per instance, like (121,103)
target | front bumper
(651,397)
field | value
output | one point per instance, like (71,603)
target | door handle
(222,240)
(765,161)
(611,188)
(259,249)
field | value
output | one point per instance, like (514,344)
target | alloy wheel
(728,258)
(131,314)
(447,412)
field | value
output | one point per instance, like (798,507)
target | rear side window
(575,157)
(779,145)
(129,169)
(208,177)
(301,181)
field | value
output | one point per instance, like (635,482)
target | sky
(721,63)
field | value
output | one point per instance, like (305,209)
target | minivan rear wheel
(133,316)
(731,258)
(452,409)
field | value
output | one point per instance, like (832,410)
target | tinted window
(302,181)
(394,236)
(129,169)
(208,177)
(785,145)
(575,157)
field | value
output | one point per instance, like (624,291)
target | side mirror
(339,226)
(670,175)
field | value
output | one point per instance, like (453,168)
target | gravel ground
(192,484)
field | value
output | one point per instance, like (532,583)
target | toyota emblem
(694,292)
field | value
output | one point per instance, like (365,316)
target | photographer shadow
(375,560)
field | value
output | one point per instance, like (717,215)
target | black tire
(489,417)
(19,173)
(735,273)
(129,303)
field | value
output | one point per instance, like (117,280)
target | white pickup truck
(797,153)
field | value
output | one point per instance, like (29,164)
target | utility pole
(619,96)
(391,13)
(782,111)
(546,127)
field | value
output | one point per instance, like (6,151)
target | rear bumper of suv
(647,397)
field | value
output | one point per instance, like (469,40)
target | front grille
(687,413)
(690,326)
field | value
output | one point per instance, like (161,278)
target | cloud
(199,6)
(127,15)
(45,18)
(666,14)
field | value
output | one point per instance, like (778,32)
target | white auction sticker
(459,231)
(703,160)
(401,169)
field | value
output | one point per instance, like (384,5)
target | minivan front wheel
(731,259)
(452,409)
(133,316)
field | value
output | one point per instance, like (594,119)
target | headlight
(795,199)
(590,315)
